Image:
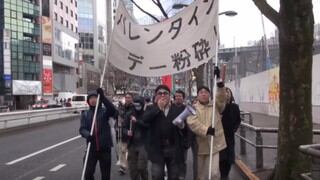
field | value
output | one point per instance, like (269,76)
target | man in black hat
(136,131)
(101,139)
(165,141)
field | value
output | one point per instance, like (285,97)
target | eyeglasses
(160,93)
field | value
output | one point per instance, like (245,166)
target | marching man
(200,124)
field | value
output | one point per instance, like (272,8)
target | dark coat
(125,113)
(138,128)
(230,122)
(153,117)
(102,122)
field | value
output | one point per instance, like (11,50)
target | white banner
(180,43)
(20,87)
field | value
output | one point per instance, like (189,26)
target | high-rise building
(20,55)
(64,17)
(92,33)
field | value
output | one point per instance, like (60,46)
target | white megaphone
(180,120)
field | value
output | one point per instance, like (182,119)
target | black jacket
(153,117)
(230,121)
(125,113)
(102,139)
(139,131)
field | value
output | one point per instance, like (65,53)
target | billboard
(47,76)
(20,87)
(47,81)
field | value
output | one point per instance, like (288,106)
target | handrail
(311,149)
(314,151)
(270,130)
(258,144)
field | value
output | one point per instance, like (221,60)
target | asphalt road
(52,152)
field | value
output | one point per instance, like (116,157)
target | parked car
(79,100)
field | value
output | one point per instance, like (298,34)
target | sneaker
(122,171)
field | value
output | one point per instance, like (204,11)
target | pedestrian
(201,125)
(101,139)
(136,131)
(164,143)
(124,112)
(179,100)
(147,103)
(230,121)
(68,103)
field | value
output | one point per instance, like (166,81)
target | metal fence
(15,119)
(258,145)
(312,150)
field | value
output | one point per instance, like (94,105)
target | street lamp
(179,6)
(228,13)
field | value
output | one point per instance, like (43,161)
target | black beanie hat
(203,87)
(91,94)
(162,86)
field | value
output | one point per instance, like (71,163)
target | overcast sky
(244,27)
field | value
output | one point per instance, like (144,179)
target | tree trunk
(295,122)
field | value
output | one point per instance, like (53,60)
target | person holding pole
(136,131)
(201,125)
(125,115)
(100,141)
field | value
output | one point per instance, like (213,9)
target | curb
(245,170)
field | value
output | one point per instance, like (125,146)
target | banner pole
(213,110)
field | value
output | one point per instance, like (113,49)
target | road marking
(39,178)
(41,151)
(57,168)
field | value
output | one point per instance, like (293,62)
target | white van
(79,100)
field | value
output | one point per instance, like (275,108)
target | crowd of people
(145,133)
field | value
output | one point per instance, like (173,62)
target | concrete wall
(260,92)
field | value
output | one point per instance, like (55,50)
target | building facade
(20,53)
(64,16)
(93,39)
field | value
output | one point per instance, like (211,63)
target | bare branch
(161,9)
(147,13)
(268,11)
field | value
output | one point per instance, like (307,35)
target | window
(67,9)
(75,3)
(76,16)
(67,24)
(71,1)
(71,12)
(76,30)
(71,27)
(61,20)
(61,5)
(13,14)
(55,16)
(56,2)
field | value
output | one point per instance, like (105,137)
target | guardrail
(312,150)
(15,119)
(258,144)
